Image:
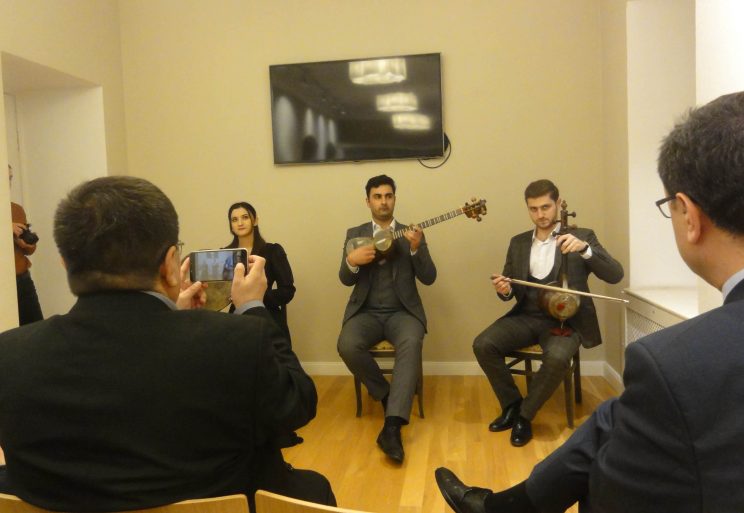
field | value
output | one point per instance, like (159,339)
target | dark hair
(703,157)
(113,233)
(258,240)
(377,181)
(541,188)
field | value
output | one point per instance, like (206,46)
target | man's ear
(170,268)
(693,217)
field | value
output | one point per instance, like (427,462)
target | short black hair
(113,233)
(377,181)
(540,188)
(703,157)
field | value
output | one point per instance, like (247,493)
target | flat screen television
(360,109)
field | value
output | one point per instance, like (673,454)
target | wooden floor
(453,434)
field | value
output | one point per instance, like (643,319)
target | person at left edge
(135,399)
(243,221)
(29,309)
(385,304)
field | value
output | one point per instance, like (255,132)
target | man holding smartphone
(136,397)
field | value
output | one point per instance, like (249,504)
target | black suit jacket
(677,441)
(406,269)
(123,403)
(605,267)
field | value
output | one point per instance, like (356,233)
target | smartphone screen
(216,264)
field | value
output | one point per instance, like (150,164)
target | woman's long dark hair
(258,241)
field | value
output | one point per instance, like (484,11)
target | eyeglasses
(179,248)
(663,206)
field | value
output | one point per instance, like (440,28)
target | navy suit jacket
(677,441)
(605,267)
(125,404)
(406,269)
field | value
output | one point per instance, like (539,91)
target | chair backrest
(226,504)
(267,502)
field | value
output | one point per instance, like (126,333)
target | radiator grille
(638,326)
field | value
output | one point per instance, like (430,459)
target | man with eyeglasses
(137,398)
(535,256)
(672,442)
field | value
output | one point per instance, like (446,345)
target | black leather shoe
(461,498)
(390,443)
(521,432)
(507,418)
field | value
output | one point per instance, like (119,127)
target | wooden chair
(226,504)
(267,502)
(385,349)
(571,387)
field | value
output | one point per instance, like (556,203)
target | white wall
(62,143)
(661,86)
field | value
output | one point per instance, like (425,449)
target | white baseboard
(588,368)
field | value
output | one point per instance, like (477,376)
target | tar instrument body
(383,239)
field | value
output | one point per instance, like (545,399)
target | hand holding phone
(192,295)
(251,285)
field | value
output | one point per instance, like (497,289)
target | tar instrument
(383,239)
(556,299)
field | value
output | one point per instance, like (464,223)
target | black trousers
(277,476)
(29,309)
(562,478)
(280,477)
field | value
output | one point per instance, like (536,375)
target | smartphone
(216,264)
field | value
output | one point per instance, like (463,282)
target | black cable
(447,146)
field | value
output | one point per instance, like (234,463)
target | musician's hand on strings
(361,256)
(501,284)
(413,235)
(570,244)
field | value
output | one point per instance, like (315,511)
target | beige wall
(79,38)
(523,99)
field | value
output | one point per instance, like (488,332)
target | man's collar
(731,283)
(376,227)
(554,233)
(162,297)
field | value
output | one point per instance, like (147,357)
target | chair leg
(567,386)
(420,391)
(528,372)
(358,390)
(577,378)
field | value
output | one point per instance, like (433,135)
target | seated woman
(244,228)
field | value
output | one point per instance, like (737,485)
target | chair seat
(384,349)
(571,381)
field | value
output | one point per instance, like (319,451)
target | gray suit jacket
(677,439)
(601,264)
(406,268)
